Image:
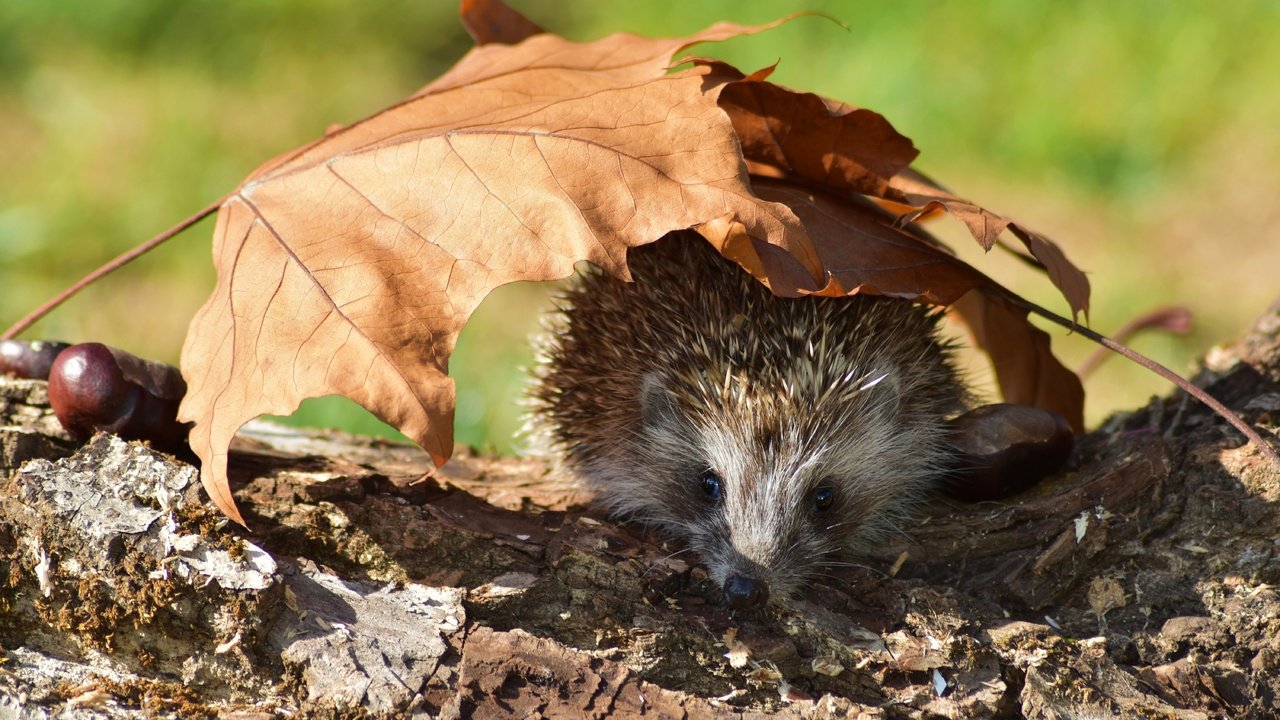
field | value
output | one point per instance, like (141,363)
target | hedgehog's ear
(656,407)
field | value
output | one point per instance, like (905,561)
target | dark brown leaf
(1026,369)
(802,137)
(859,249)
(490,21)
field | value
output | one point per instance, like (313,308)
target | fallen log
(1140,581)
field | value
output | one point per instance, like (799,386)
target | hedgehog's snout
(745,593)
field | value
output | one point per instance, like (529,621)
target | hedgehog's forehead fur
(697,367)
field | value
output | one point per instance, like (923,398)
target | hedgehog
(768,433)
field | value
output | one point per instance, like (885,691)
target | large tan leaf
(349,267)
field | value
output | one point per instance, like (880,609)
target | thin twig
(119,262)
(1156,368)
(1173,319)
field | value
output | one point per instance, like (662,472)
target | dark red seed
(93,387)
(29,358)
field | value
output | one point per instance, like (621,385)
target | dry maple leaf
(350,265)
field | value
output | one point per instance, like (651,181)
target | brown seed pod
(1006,448)
(30,359)
(94,387)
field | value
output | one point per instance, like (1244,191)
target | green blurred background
(1142,135)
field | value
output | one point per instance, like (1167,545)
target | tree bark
(1141,581)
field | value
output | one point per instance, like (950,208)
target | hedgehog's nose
(745,593)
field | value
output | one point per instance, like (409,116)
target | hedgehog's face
(766,491)
(763,528)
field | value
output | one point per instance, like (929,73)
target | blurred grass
(1140,135)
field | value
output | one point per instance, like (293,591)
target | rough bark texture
(1141,582)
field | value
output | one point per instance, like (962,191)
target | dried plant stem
(1172,319)
(1157,368)
(120,261)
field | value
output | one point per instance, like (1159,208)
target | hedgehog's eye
(711,484)
(823,498)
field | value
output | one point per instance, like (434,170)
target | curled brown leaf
(926,196)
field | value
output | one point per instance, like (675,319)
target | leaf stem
(112,265)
